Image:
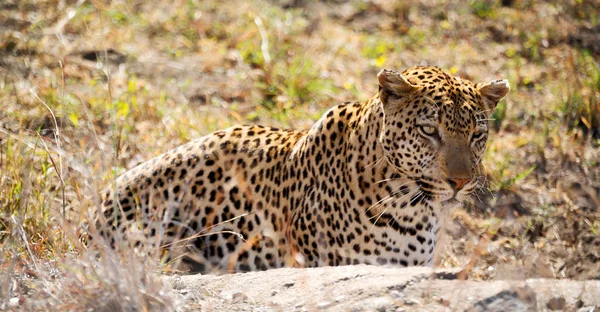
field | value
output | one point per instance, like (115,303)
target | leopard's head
(436,127)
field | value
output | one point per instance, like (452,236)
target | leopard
(369,183)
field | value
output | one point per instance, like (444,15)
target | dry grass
(90,88)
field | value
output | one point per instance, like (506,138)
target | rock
(371,288)
(13,302)
(521,299)
(239,297)
(556,304)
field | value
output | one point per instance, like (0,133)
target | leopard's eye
(428,130)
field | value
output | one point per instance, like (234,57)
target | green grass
(581,108)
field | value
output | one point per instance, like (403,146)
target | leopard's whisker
(414,199)
(483,111)
(381,202)
(398,213)
(385,210)
(379,216)
(394,179)
(390,195)
(478,198)
(375,163)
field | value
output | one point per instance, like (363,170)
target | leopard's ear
(393,84)
(492,92)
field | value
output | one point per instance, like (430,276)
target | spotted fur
(368,183)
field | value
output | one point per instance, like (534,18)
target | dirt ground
(88,89)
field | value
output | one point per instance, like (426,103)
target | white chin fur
(451,204)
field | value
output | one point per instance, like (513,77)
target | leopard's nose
(458,184)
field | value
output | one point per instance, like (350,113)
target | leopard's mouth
(451,200)
(452,196)
(451,203)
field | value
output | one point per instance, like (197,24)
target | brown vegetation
(90,88)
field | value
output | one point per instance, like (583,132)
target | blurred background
(88,89)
